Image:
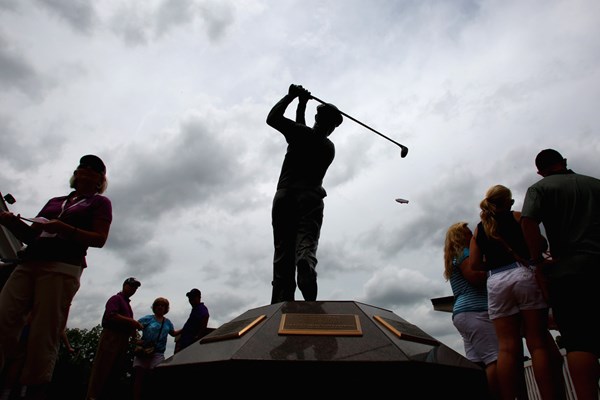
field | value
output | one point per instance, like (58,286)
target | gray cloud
(173,95)
(79,14)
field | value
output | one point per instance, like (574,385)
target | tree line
(72,370)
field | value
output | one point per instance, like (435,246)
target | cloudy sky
(173,96)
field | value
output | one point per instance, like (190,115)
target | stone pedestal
(321,347)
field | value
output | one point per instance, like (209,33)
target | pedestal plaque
(320,324)
(232,330)
(406,331)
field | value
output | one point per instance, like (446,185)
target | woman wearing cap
(47,277)
(156,328)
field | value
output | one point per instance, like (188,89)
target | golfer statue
(297,213)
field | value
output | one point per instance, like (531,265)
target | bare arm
(475,278)
(66,342)
(475,255)
(533,238)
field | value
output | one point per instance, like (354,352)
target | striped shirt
(466,296)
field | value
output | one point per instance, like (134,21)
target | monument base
(321,347)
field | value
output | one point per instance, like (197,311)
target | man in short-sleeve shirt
(118,326)
(568,204)
(196,324)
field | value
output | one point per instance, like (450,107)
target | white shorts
(148,362)
(513,290)
(479,336)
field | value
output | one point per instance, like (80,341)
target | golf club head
(404,151)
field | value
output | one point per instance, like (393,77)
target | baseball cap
(93,162)
(192,293)
(132,282)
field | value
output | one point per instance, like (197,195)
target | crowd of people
(36,297)
(120,329)
(508,275)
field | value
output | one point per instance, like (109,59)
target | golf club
(404,150)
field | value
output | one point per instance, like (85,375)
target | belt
(503,268)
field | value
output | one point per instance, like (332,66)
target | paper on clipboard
(39,220)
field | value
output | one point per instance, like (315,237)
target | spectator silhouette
(156,329)
(118,327)
(196,325)
(515,302)
(49,270)
(470,311)
(568,205)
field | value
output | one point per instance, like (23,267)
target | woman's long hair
(498,199)
(456,240)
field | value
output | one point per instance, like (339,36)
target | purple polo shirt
(81,215)
(117,304)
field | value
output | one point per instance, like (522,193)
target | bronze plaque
(232,330)
(320,324)
(406,331)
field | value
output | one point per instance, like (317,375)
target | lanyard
(65,208)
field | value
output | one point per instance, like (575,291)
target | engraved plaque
(233,329)
(320,324)
(406,331)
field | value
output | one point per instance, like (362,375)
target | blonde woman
(470,311)
(515,302)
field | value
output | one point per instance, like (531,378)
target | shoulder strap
(509,249)
(160,331)
(512,252)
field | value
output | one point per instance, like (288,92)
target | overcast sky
(173,96)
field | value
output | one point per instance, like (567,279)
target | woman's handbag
(141,351)
(147,350)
